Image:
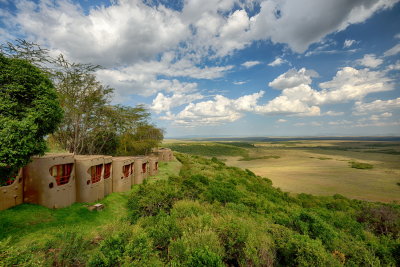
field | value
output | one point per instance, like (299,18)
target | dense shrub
(153,198)
(29,110)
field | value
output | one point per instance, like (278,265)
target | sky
(232,67)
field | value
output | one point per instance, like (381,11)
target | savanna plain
(365,170)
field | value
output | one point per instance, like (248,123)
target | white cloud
(249,64)
(298,98)
(347,43)
(291,23)
(164,103)
(353,84)
(281,120)
(377,117)
(216,111)
(278,61)
(392,51)
(117,34)
(142,78)
(293,78)
(361,108)
(397,36)
(370,60)
(129,82)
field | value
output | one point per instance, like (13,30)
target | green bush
(67,249)
(197,248)
(360,165)
(222,192)
(152,198)
(29,110)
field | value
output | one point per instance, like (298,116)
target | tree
(29,110)
(85,102)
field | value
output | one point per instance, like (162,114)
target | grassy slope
(28,222)
(209,214)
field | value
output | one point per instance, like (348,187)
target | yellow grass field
(322,168)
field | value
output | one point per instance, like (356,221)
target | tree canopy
(29,110)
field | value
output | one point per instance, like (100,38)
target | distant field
(367,170)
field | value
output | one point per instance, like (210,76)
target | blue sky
(233,67)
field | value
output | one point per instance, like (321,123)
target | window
(95,172)
(61,173)
(107,170)
(144,167)
(126,169)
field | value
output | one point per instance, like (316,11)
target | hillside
(208,214)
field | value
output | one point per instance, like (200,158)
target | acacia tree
(85,102)
(29,110)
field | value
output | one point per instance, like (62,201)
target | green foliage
(139,140)
(152,198)
(360,165)
(67,249)
(29,110)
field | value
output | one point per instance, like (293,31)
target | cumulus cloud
(164,103)
(353,84)
(300,99)
(215,111)
(293,78)
(361,108)
(369,60)
(278,61)
(116,34)
(249,64)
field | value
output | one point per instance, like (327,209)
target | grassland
(366,170)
